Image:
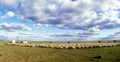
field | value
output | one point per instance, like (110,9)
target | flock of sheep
(68,45)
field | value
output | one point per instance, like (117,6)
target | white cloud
(7,4)
(13,26)
(115,36)
(9,14)
(85,15)
(68,14)
(25,33)
(78,14)
(39,25)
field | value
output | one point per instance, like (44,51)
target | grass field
(35,54)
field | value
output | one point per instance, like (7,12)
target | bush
(114,41)
(68,42)
(98,57)
(99,41)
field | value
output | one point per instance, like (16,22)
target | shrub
(114,41)
(99,41)
(68,42)
(98,57)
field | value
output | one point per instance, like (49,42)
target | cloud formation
(112,37)
(11,27)
(9,14)
(24,33)
(8,4)
(88,16)
(75,36)
(39,25)
(69,14)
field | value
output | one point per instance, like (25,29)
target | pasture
(36,54)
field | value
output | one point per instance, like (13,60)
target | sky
(59,20)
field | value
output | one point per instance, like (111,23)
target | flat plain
(36,54)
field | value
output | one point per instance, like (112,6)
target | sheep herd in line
(68,45)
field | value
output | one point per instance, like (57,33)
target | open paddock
(34,54)
(60,52)
(67,45)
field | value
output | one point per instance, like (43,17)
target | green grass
(35,54)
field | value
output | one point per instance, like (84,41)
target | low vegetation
(37,54)
(67,45)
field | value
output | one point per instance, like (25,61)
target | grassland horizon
(36,54)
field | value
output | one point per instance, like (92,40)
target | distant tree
(99,41)
(68,42)
(114,41)
(21,42)
(50,42)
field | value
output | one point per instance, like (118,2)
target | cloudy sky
(60,20)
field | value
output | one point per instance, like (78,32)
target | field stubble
(33,54)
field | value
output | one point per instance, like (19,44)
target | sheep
(68,45)
(13,41)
